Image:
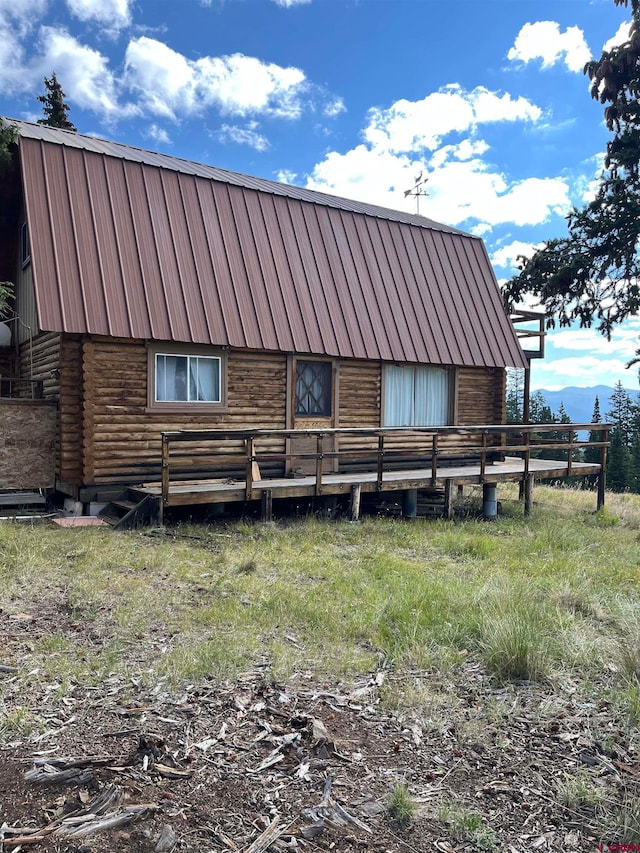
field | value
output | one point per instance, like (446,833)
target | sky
(487,101)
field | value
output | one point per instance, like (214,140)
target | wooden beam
(266,515)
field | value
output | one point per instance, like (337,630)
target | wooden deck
(356,461)
(183,493)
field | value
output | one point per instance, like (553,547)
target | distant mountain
(578,402)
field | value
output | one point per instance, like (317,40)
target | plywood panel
(27,447)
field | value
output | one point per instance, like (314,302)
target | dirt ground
(255,765)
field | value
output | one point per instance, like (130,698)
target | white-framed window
(25,249)
(186,378)
(416,395)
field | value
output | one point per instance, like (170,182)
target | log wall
(481,396)
(122,437)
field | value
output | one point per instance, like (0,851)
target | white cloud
(623,343)
(17,22)
(83,72)
(507,256)
(244,136)
(113,15)
(417,125)
(621,36)
(287,4)
(169,84)
(334,107)
(286,176)
(583,371)
(158,135)
(544,40)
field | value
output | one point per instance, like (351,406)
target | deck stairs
(132,508)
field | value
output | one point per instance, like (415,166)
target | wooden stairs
(132,508)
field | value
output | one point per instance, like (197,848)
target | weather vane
(416,191)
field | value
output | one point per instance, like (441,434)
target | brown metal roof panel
(504,334)
(289,297)
(104,247)
(265,335)
(479,316)
(248,334)
(183,272)
(412,347)
(339,305)
(43,255)
(62,226)
(447,295)
(319,309)
(261,232)
(459,296)
(413,299)
(127,270)
(425,296)
(153,290)
(90,279)
(197,258)
(381,312)
(223,294)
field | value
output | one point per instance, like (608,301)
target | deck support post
(448,499)
(356,491)
(409,503)
(489,501)
(266,512)
(460,492)
(528,494)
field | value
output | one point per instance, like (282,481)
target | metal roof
(128,243)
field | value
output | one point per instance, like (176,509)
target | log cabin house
(155,295)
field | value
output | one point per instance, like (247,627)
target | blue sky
(354,97)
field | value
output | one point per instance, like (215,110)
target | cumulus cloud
(544,40)
(111,14)
(415,125)
(84,72)
(507,256)
(287,4)
(158,135)
(583,371)
(244,136)
(168,83)
(621,36)
(463,188)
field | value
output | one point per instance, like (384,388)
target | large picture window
(313,388)
(184,379)
(416,395)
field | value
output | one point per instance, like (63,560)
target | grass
(400,804)
(529,599)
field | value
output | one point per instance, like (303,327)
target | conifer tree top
(54,106)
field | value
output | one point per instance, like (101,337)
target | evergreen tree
(54,106)
(592,274)
(592,454)
(539,410)
(515,393)
(622,413)
(618,463)
(8,135)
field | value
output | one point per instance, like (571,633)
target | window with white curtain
(416,395)
(187,378)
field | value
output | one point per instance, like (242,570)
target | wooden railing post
(165,470)
(602,476)
(249,469)
(483,456)
(319,457)
(570,453)
(380,460)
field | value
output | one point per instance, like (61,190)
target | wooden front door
(313,406)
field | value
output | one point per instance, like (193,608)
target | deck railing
(207,452)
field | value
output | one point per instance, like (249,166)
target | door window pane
(313,388)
